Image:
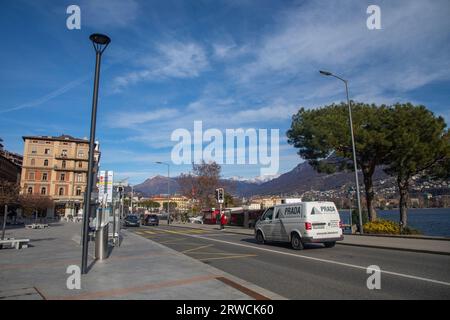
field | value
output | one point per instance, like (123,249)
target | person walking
(223,221)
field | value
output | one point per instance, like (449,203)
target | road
(313,273)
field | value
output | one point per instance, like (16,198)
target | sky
(230,64)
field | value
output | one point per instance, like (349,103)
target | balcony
(69,168)
(68,157)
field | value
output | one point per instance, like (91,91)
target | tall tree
(323,138)
(419,144)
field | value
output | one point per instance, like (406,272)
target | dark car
(132,221)
(152,220)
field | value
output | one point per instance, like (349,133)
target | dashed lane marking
(197,248)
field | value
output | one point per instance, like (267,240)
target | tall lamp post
(326,73)
(100,42)
(168,189)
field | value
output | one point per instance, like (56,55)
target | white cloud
(132,119)
(171,60)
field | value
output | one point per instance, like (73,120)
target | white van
(299,223)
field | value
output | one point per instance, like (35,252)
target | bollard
(101,243)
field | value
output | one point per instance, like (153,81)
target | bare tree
(201,183)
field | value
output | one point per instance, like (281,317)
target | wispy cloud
(171,60)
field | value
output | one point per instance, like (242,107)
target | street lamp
(168,189)
(100,42)
(326,73)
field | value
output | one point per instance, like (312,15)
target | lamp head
(325,73)
(100,41)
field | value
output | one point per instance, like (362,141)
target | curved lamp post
(168,189)
(100,42)
(326,73)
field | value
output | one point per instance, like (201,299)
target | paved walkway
(426,245)
(138,269)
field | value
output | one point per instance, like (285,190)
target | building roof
(63,137)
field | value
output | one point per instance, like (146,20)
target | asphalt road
(313,273)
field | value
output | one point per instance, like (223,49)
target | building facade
(57,167)
(10,165)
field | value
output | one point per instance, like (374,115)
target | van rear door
(324,219)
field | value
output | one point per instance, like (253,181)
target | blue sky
(231,64)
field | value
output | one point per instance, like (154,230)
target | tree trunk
(403,186)
(368,186)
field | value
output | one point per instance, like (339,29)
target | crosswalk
(165,232)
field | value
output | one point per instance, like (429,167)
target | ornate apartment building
(57,167)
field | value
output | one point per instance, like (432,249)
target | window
(80,164)
(81,154)
(62,177)
(31,176)
(64,153)
(78,192)
(32,162)
(79,177)
(43,190)
(63,164)
(44,176)
(277,214)
(61,191)
(30,190)
(46,163)
(33,150)
(47,151)
(268,214)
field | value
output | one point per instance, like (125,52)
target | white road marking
(324,260)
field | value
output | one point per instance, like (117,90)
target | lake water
(430,222)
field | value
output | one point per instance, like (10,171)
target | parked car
(300,223)
(198,219)
(152,220)
(132,221)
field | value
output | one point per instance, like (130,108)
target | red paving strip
(255,295)
(124,291)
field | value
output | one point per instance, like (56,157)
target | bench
(36,226)
(15,243)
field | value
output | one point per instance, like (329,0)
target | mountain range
(295,182)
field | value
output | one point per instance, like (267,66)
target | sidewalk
(138,269)
(426,245)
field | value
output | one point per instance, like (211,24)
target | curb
(393,248)
(350,244)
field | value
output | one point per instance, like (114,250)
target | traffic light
(220,195)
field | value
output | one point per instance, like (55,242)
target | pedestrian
(223,221)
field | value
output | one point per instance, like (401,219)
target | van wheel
(296,242)
(330,244)
(260,237)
